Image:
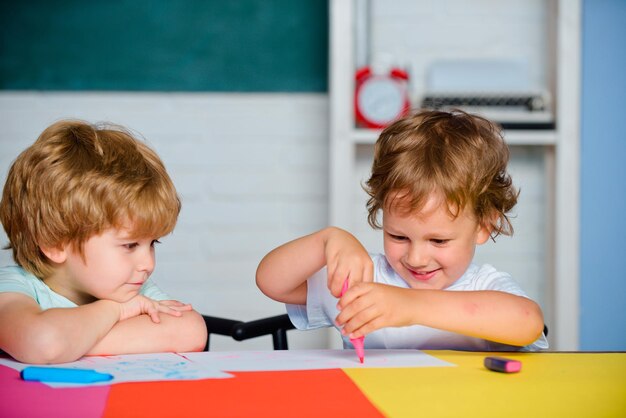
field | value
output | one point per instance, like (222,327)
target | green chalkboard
(164,45)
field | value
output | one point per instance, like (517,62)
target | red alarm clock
(380,99)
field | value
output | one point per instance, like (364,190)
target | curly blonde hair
(75,181)
(462,157)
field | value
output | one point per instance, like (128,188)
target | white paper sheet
(233,361)
(213,365)
(134,368)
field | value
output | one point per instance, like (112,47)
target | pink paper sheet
(33,399)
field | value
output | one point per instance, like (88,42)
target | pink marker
(501,364)
(356,342)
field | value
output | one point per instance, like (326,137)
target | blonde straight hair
(77,180)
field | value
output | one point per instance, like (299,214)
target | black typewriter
(499,90)
(511,111)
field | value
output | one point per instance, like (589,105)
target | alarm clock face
(381,100)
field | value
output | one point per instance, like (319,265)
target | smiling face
(113,266)
(431,249)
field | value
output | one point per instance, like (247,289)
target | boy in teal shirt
(83,208)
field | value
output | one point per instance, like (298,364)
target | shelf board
(531,137)
(513,137)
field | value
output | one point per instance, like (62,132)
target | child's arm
(141,335)
(490,315)
(65,334)
(282,274)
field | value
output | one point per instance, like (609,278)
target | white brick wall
(251,170)
(252,173)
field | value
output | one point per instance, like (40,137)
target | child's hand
(346,259)
(367,307)
(140,305)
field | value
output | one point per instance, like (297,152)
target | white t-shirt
(16,279)
(321,311)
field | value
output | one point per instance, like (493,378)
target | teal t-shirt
(16,279)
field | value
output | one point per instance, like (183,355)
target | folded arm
(141,335)
(60,335)
(490,315)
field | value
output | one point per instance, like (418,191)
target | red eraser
(504,365)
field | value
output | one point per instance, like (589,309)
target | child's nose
(146,262)
(418,255)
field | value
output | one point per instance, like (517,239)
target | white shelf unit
(560,149)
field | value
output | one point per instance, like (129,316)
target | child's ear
(483,233)
(56,254)
(486,226)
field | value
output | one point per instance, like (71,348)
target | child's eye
(131,245)
(397,237)
(154,241)
(439,241)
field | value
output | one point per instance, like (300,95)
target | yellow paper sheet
(549,385)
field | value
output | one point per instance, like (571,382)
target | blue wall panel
(603,176)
